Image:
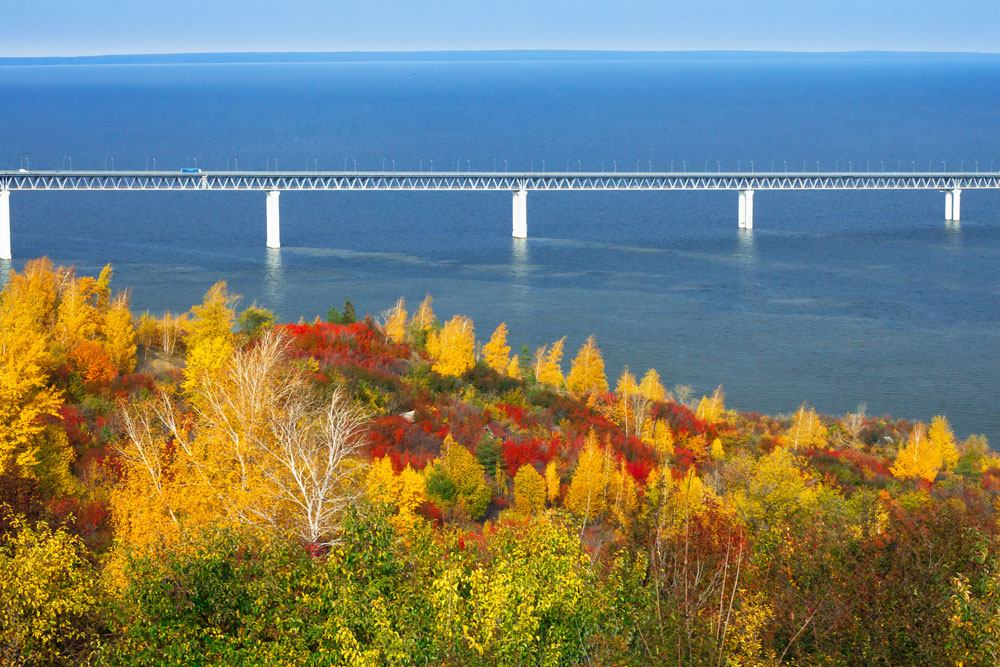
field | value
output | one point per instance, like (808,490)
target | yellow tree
(529,491)
(30,296)
(712,409)
(120,335)
(662,438)
(496,353)
(624,391)
(587,490)
(552,482)
(210,340)
(547,368)
(457,342)
(586,375)
(651,388)
(77,319)
(942,440)
(25,395)
(806,429)
(395,322)
(423,319)
(623,497)
(514,368)
(404,492)
(262,449)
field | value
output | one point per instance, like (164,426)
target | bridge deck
(490,181)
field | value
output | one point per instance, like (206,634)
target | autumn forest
(219,488)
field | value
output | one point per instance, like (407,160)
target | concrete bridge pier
(273,223)
(5,224)
(746,209)
(520,230)
(953,205)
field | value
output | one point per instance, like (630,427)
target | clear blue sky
(92,27)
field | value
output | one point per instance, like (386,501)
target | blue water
(834,298)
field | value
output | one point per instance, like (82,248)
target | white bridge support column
(520,230)
(5,224)
(273,220)
(953,205)
(746,209)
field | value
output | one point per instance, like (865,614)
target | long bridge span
(519,184)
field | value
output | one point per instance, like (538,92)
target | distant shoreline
(496,56)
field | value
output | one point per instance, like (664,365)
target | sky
(99,27)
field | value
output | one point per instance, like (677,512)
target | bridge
(519,184)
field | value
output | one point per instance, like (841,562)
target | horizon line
(522,51)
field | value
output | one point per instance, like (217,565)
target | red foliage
(404,442)
(683,421)
(93,363)
(431,512)
(533,451)
(347,345)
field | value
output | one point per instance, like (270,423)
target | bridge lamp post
(316,164)
(882,162)
(977,165)
(739,165)
(345,165)
(706,166)
(850,167)
(637,166)
(394,165)
(817,166)
(913,166)
(567,165)
(786,165)
(468,165)
(685,165)
(803,166)
(671,165)
(615,162)
(751,166)
(602,166)
(579,165)
(543,165)
(944,165)
(718,166)
(383,164)
(772,166)
(651,166)
(505,166)
(494,165)
(961,165)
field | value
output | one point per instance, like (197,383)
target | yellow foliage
(46,588)
(466,474)
(458,347)
(623,497)
(496,353)
(76,318)
(423,319)
(712,409)
(25,396)
(547,368)
(773,490)
(651,388)
(405,491)
(146,332)
(925,456)
(210,337)
(586,496)
(433,344)
(395,322)
(659,435)
(942,440)
(529,491)
(806,429)
(717,452)
(30,296)
(119,335)
(586,375)
(514,368)
(552,484)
